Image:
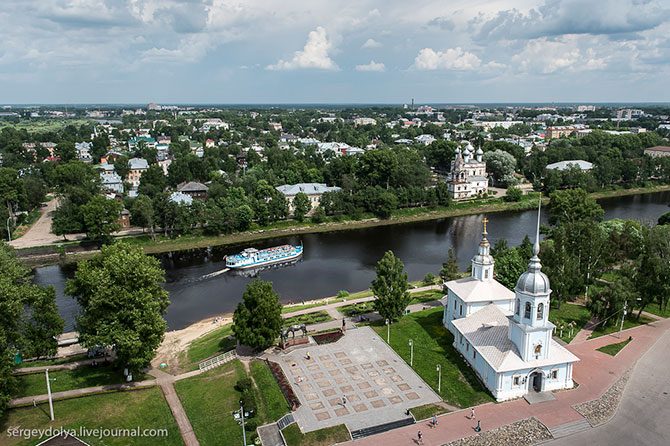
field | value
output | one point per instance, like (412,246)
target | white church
(505,335)
(467,178)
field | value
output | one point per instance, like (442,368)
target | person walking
(472,413)
(419,435)
(344,326)
(434,420)
(344,400)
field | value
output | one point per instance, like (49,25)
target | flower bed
(327,338)
(284,385)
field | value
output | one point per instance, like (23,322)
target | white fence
(217,360)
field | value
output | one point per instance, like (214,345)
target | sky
(314,51)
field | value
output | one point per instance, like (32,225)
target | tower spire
(536,246)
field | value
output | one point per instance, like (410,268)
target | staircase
(570,428)
(285,421)
(366,432)
(217,361)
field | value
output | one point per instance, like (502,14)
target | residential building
(505,335)
(314,191)
(559,132)
(124,219)
(136,167)
(425,139)
(467,178)
(111,182)
(147,141)
(181,198)
(568,164)
(193,189)
(657,151)
(276,126)
(84,151)
(364,121)
(214,123)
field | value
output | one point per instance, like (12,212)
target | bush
(343,294)
(429,279)
(319,215)
(250,424)
(664,219)
(243,385)
(513,194)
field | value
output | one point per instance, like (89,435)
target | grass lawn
(630,322)
(322,437)
(209,401)
(432,346)
(656,309)
(613,349)
(427,411)
(271,402)
(213,343)
(426,296)
(357,309)
(291,308)
(308,319)
(578,314)
(146,408)
(86,376)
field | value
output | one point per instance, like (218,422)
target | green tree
(101,217)
(449,269)
(664,219)
(152,182)
(66,151)
(572,205)
(29,319)
(609,301)
(502,165)
(257,320)
(122,303)
(509,266)
(142,213)
(654,271)
(513,194)
(301,206)
(319,215)
(390,287)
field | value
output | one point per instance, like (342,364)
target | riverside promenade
(595,373)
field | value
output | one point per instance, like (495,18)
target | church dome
(533,282)
(480,151)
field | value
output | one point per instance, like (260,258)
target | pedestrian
(472,413)
(344,326)
(479,426)
(344,400)
(434,420)
(420,437)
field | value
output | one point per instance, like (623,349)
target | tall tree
(449,269)
(101,217)
(390,287)
(301,206)
(122,303)
(257,320)
(502,166)
(572,205)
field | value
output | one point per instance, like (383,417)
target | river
(334,261)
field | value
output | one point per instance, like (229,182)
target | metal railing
(217,360)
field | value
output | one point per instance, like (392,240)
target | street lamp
(244,434)
(9,233)
(439,379)
(51,403)
(388,331)
(625,312)
(411,353)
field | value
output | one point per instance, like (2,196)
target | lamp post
(439,379)
(411,353)
(9,232)
(51,403)
(388,331)
(244,434)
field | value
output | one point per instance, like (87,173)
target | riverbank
(46,255)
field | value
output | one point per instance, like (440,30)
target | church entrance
(535,381)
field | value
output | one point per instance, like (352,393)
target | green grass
(432,346)
(291,308)
(426,296)
(271,402)
(308,319)
(146,408)
(427,411)
(209,401)
(211,344)
(613,349)
(578,314)
(656,309)
(43,124)
(357,309)
(630,322)
(52,362)
(322,437)
(81,377)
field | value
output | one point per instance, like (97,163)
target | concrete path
(595,373)
(179,414)
(66,366)
(644,411)
(40,232)
(586,331)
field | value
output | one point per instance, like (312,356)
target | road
(642,417)
(40,232)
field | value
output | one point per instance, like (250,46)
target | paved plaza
(377,385)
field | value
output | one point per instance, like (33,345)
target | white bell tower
(530,329)
(482,263)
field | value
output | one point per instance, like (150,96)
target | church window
(517,307)
(486,274)
(467,347)
(526,313)
(455,303)
(540,312)
(554,374)
(517,380)
(474,354)
(538,349)
(461,310)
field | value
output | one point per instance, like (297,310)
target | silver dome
(533,282)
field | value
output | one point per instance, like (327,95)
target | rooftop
(659,149)
(470,289)
(306,188)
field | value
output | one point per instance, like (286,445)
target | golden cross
(484,221)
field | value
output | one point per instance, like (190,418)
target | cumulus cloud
(372,66)
(371,43)
(442,23)
(449,59)
(314,55)
(547,56)
(563,17)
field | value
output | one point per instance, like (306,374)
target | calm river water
(338,260)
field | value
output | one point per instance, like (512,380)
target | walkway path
(586,331)
(40,232)
(595,373)
(67,366)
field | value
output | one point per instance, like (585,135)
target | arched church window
(538,349)
(526,312)
(540,312)
(517,307)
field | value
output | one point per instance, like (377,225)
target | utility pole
(51,403)
(439,379)
(411,353)
(623,315)
(388,331)
(244,434)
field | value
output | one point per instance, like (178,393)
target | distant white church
(505,335)
(467,178)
